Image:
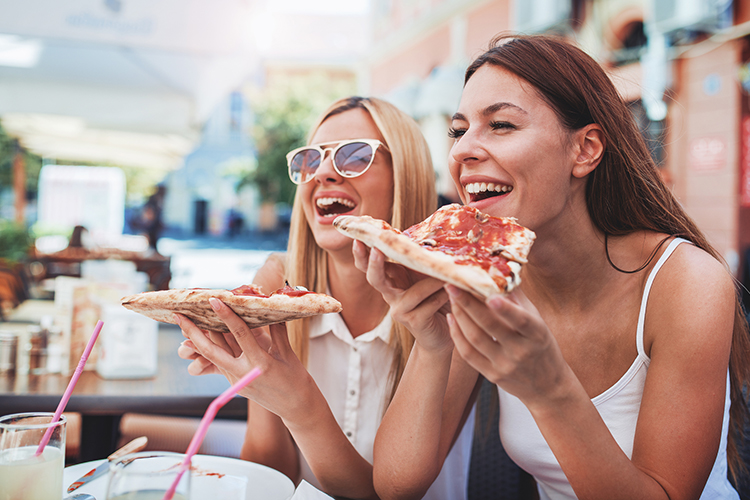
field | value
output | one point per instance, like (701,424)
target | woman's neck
(363,306)
(567,264)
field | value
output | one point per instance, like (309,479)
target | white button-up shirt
(353,375)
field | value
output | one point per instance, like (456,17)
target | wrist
(564,392)
(311,406)
(442,353)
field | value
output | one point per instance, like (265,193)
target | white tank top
(618,406)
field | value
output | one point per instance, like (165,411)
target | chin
(329,239)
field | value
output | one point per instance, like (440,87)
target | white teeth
(481,187)
(327,202)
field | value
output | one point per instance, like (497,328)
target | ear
(589,144)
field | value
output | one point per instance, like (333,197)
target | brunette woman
(623,354)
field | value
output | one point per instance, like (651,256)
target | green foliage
(15,242)
(284,113)
(32,164)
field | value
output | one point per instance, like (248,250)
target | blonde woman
(327,380)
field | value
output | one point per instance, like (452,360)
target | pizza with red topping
(247,301)
(457,244)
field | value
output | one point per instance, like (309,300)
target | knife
(135,445)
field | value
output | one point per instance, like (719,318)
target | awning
(119,81)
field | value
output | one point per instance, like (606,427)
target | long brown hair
(414,198)
(625,192)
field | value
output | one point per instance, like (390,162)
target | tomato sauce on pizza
(468,234)
(291,291)
(457,244)
(248,291)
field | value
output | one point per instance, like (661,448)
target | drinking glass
(23,475)
(147,475)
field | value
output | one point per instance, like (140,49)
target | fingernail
(450,319)
(495,302)
(215,303)
(177,319)
(452,290)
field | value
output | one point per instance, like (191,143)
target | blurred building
(292,40)
(419,52)
(684,67)
(202,192)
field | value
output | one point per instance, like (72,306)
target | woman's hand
(507,341)
(417,301)
(285,384)
(200,365)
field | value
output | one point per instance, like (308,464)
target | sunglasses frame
(373,143)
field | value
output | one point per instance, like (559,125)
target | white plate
(263,483)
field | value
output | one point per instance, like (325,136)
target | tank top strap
(644,300)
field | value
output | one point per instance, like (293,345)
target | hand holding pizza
(202,366)
(417,301)
(457,244)
(506,340)
(284,377)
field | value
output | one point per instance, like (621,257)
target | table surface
(171,392)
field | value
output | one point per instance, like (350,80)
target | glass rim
(63,420)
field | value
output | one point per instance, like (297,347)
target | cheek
(305,194)
(454,169)
(378,198)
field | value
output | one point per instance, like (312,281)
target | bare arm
(679,424)
(435,393)
(268,442)
(426,415)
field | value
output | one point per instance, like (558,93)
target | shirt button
(348,433)
(352,392)
(354,349)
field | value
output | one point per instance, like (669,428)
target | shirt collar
(334,323)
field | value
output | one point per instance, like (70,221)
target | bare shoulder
(695,273)
(692,300)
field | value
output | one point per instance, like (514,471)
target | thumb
(280,337)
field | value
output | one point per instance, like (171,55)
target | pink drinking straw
(200,433)
(71,385)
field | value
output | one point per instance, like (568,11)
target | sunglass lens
(354,158)
(303,165)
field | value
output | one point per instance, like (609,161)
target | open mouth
(331,207)
(483,190)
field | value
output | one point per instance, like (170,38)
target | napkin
(306,491)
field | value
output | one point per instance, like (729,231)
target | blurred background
(159,127)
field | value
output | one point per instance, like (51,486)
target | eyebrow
(492,108)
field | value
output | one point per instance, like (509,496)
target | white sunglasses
(350,158)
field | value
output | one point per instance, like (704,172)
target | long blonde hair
(414,198)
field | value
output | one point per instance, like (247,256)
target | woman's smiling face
(329,195)
(511,156)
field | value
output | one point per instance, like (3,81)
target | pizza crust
(403,250)
(255,311)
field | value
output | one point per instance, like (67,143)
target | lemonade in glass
(24,475)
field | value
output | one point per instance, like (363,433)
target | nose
(326,173)
(467,149)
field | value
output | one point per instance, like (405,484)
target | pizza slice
(247,301)
(458,244)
